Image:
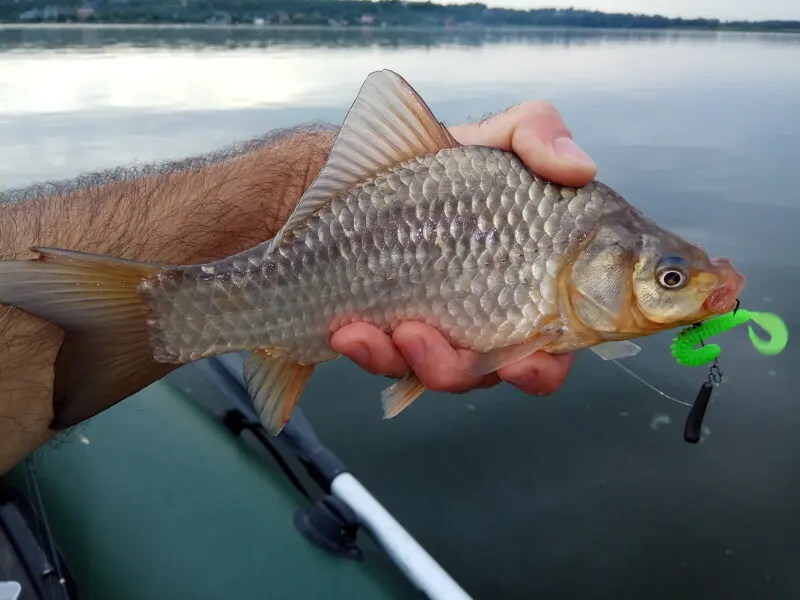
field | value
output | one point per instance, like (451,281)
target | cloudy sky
(723,9)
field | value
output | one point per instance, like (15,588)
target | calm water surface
(590,493)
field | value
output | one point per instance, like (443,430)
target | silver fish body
(468,240)
(402,223)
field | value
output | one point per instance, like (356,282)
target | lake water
(592,492)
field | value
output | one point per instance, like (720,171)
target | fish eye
(672,273)
(671,279)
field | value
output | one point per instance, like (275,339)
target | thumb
(535,132)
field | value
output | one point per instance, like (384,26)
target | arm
(206,208)
(191,211)
(195,210)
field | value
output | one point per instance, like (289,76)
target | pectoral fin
(615,350)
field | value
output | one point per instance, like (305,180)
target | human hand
(536,132)
(28,349)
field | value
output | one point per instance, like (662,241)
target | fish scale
(483,268)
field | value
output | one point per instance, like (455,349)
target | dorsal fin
(387,124)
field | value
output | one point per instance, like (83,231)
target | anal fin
(275,386)
(399,396)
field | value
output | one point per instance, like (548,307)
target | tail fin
(106,354)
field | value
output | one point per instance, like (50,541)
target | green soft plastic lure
(684,350)
(686,353)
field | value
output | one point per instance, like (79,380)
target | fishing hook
(683,346)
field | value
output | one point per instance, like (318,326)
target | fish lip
(722,298)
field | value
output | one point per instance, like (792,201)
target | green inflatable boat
(168,496)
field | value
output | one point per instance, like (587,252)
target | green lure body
(683,346)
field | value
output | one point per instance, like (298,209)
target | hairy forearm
(193,211)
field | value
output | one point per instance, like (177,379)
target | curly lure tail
(683,346)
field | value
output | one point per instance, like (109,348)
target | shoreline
(389,28)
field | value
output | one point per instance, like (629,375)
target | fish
(402,223)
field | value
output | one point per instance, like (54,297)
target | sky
(753,10)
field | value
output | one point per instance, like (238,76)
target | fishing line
(651,386)
(32,482)
(684,349)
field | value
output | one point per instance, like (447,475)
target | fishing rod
(333,521)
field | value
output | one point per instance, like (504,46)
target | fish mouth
(722,298)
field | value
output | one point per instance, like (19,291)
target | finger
(539,374)
(439,366)
(370,348)
(536,132)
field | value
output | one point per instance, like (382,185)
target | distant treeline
(386,13)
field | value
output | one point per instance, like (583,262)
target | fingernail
(360,354)
(567,147)
(415,350)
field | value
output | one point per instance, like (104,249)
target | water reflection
(69,69)
(233,38)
